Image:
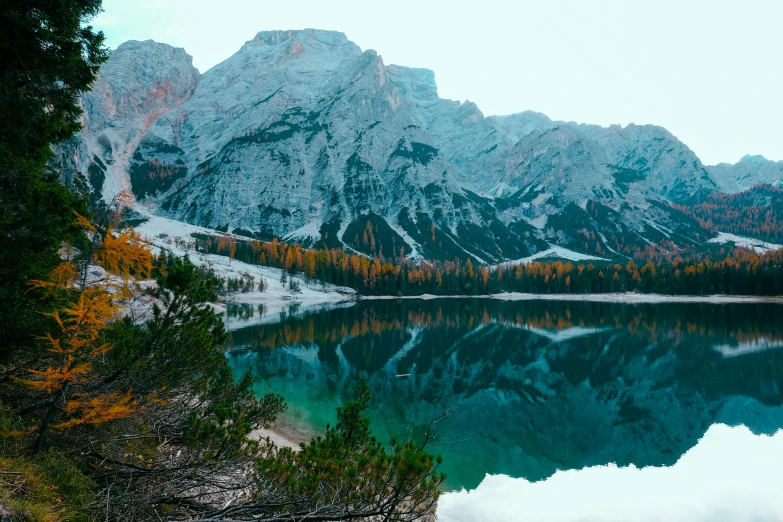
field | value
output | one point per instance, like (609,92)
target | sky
(710,71)
(731,475)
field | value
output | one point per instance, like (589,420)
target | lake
(561,410)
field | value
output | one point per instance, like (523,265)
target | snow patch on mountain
(311,231)
(414,248)
(554,252)
(746,242)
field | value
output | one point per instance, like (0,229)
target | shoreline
(615,297)
(285,433)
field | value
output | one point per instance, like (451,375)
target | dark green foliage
(417,153)
(372,235)
(436,244)
(36,215)
(596,230)
(529,242)
(362,184)
(151,176)
(48,58)
(712,268)
(523,195)
(350,475)
(757,212)
(131,218)
(625,176)
(96,173)
(684,228)
(329,237)
(493,241)
(293,122)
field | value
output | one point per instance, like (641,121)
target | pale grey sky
(710,71)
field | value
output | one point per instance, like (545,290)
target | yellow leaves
(52,379)
(99,409)
(125,255)
(77,342)
(81,325)
(84,222)
(61,278)
(87,317)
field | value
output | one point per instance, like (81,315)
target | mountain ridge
(301,134)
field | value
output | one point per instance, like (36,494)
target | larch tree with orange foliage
(77,347)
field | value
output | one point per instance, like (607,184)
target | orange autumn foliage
(124,255)
(99,409)
(78,342)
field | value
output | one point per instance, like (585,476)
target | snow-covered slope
(177,238)
(745,242)
(303,134)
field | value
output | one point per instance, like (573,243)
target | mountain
(747,173)
(303,135)
(142,82)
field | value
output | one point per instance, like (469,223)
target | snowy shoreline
(276,298)
(628,297)
(177,238)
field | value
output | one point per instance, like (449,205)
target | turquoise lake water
(543,392)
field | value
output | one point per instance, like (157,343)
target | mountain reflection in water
(536,386)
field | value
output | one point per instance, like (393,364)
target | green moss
(46,488)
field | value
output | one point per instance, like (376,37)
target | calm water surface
(602,406)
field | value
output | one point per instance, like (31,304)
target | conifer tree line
(723,270)
(757,212)
(117,402)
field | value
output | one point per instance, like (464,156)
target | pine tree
(48,59)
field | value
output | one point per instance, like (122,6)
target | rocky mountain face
(747,173)
(303,135)
(140,84)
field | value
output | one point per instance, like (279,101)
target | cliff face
(141,83)
(302,134)
(747,173)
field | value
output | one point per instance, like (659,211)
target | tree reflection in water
(537,386)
